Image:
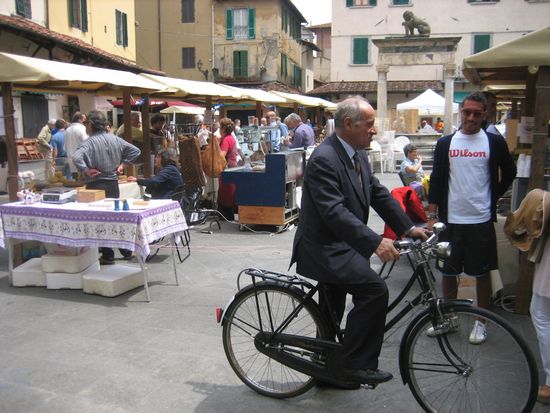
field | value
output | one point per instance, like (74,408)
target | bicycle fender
(412,324)
(245,290)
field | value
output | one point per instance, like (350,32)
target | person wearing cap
(100,159)
(43,146)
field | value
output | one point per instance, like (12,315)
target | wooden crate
(264,215)
(90,195)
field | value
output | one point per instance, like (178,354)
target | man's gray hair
(349,108)
(293,117)
(135,114)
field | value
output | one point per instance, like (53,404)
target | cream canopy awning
(305,100)
(36,74)
(186,110)
(511,58)
(257,95)
(194,88)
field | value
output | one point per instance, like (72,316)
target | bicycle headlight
(442,249)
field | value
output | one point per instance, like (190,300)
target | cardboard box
(90,195)
(62,280)
(68,263)
(57,249)
(29,274)
(112,280)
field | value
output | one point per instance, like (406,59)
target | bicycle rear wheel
(242,323)
(446,373)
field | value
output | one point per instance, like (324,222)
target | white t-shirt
(469,179)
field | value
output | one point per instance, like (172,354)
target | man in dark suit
(333,245)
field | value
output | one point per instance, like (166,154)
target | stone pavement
(66,351)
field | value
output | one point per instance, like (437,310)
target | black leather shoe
(341,385)
(106,261)
(366,376)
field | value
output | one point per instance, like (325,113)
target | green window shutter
(124,29)
(400,2)
(481,42)
(84,12)
(251,23)
(372,2)
(284,63)
(71,11)
(240,64)
(349,3)
(360,50)
(229,24)
(244,63)
(118,18)
(23,8)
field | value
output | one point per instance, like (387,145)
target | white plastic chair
(376,155)
(397,149)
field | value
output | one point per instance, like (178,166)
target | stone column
(449,70)
(382,99)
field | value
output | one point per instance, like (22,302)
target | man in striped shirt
(101,158)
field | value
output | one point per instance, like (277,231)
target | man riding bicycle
(333,244)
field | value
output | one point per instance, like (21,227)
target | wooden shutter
(349,3)
(372,2)
(84,13)
(229,24)
(118,26)
(481,42)
(360,50)
(23,8)
(251,23)
(124,29)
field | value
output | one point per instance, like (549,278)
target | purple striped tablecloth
(81,224)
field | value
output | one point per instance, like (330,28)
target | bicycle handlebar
(441,249)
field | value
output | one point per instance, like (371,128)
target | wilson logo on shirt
(465,153)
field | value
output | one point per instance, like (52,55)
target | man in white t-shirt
(472,170)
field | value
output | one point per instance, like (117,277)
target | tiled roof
(84,52)
(372,86)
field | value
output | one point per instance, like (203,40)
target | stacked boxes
(113,280)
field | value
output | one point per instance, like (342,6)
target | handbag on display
(213,161)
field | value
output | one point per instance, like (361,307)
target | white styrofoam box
(29,273)
(113,280)
(59,280)
(69,264)
(58,249)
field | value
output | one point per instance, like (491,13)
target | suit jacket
(332,243)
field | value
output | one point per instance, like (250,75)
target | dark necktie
(357,163)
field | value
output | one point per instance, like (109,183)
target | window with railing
(240,24)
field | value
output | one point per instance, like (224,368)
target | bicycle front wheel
(447,373)
(265,308)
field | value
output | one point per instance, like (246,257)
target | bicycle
(279,343)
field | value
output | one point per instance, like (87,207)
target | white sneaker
(450,325)
(479,333)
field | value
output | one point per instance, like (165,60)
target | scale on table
(58,195)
